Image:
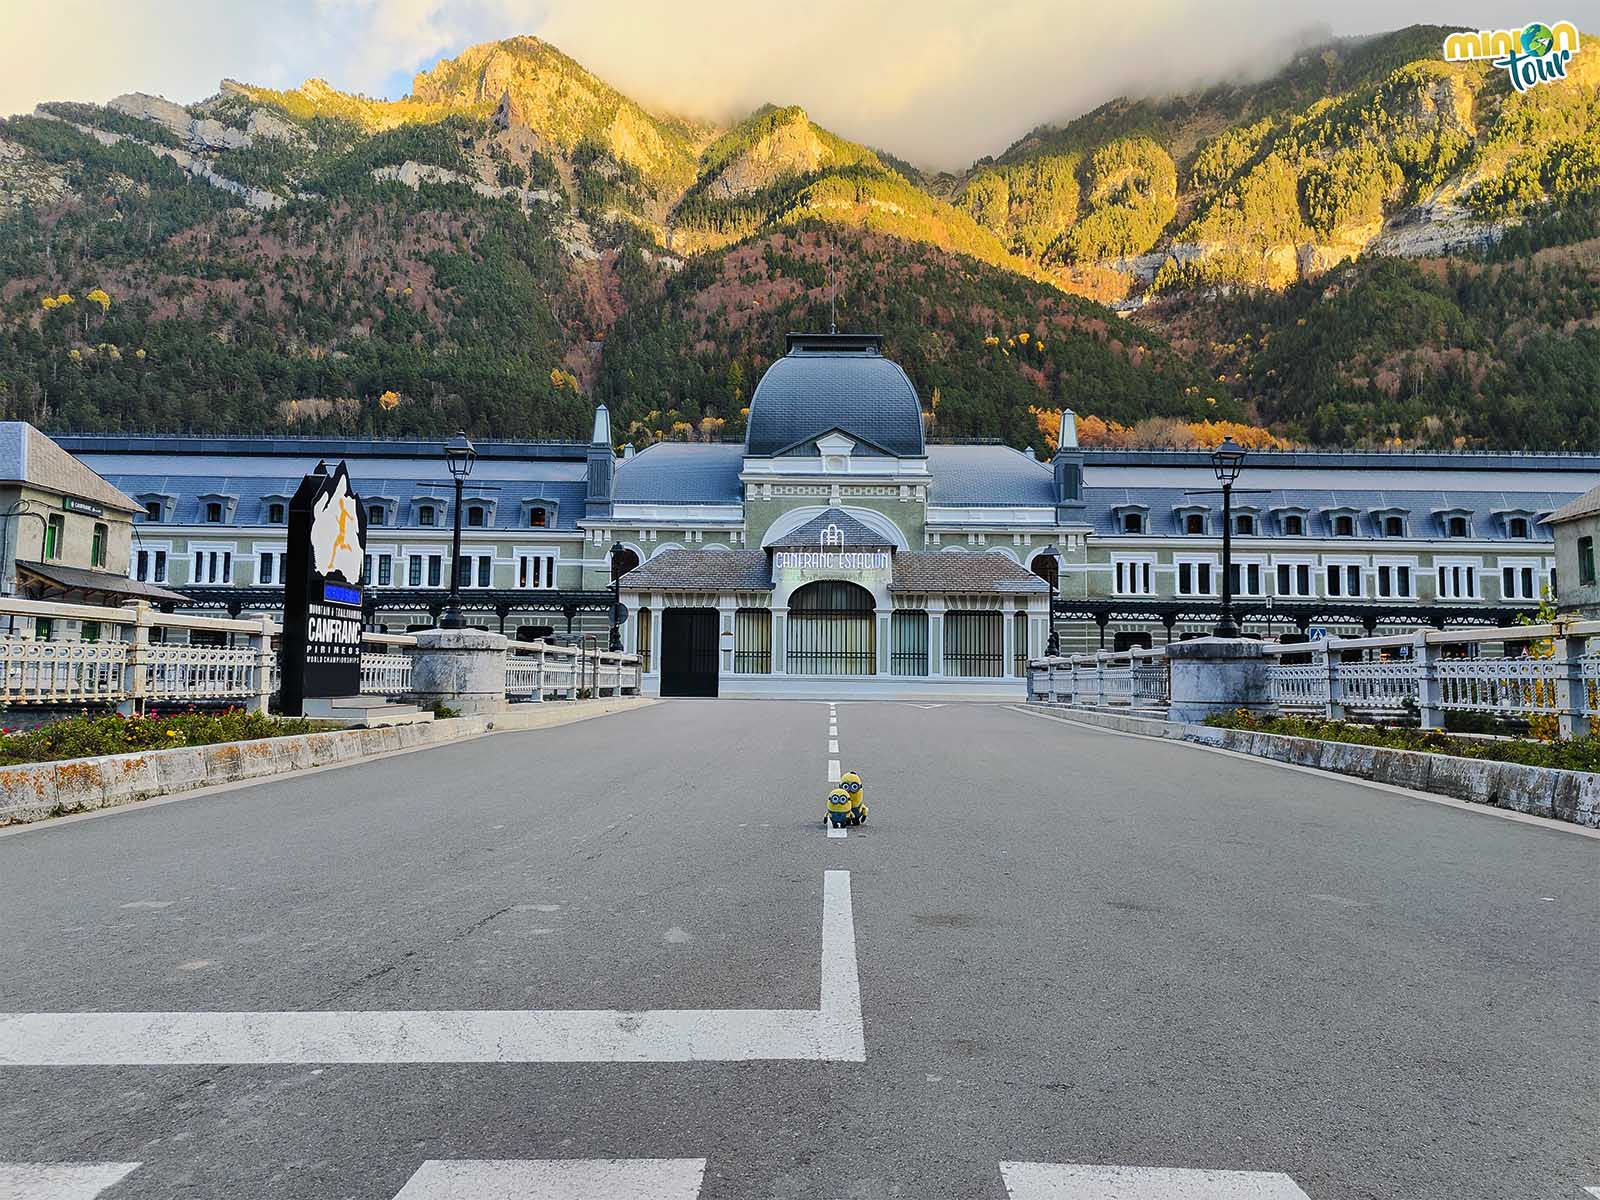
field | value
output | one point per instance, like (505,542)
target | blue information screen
(339,593)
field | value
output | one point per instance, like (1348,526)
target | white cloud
(940,82)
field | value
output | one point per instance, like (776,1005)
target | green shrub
(1581,754)
(87,736)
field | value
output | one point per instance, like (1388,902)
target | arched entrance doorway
(832,630)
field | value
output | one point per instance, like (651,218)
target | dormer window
(1344,525)
(538,518)
(475,516)
(1245,523)
(426,515)
(275,514)
(376,514)
(1294,525)
(1194,523)
(1133,522)
(1518,527)
(213,512)
(1394,526)
(152,510)
(1455,527)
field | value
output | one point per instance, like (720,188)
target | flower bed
(1582,754)
(90,736)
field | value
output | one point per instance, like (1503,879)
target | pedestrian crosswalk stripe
(60,1181)
(557,1179)
(831,1032)
(1078,1181)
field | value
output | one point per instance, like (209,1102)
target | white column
(883,643)
(1008,639)
(655,634)
(725,644)
(780,641)
(936,638)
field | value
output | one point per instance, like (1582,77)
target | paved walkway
(622,959)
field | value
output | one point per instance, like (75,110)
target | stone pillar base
(463,668)
(1216,675)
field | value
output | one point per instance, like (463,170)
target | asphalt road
(1073,947)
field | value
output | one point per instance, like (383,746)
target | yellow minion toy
(850,783)
(838,809)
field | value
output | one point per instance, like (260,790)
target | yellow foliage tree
(100,297)
(389,401)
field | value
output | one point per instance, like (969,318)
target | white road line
(60,1181)
(1074,1181)
(833,746)
(833,770)
(838,831)
(557,1179)
(831,1032)
(1594,1191)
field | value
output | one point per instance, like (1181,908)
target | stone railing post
(1211,676)
(264,663)
(1334,709)
(462,668)
(1426,655)
(538,674)
(136,674)
(1570,698)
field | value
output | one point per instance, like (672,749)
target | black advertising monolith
(322,592)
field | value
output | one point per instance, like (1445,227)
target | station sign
(322,599)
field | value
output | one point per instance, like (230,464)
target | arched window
(832,630)
(1194,523)
(1344,525)
(624,562)
(1294,525)
(1048,568)
(1244,523)
(475,516)
(375,514)
(537,518)
(1456,527)
(1394,526)
(1133,522)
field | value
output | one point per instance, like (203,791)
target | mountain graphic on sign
(336,547)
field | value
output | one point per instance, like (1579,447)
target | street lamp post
(1052,645)
(1227,460)
(459,455)
(617,552)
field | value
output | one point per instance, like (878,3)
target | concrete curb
(1537,791)
(38,790)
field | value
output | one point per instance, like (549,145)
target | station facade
(836,550)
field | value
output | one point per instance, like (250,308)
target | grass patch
(89,736)
(1579,754)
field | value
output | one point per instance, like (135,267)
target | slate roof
(965,476)
(962,571)
(681,473)
(28,456)
(856,536)
(108,582)
(702,570)
(834,381)
(1586,505)
(1483,507)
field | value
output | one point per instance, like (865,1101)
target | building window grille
(1294,579)
(375,514)
(752,641)
(97,547)
(264,575)
(644,637)
(1516,583)
(475,516)
(435,570)
(1457,581)
(425,515)
(54,533)
(1019,644)
(1133,577)
(1246,579)
(214,512)
(908,643)
(385,570)
(485,568)
(974,645)
(1394,580)
(1194,579)
(1344,579)
(831,630)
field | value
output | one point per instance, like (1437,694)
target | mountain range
(1371,247)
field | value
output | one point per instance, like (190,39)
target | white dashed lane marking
(60,1181)
(557,1179)
(831,1032)
(1075,1181)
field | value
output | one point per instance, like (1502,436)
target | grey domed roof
(834,381)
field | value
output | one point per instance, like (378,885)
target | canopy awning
(50,581)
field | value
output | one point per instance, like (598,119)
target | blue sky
(940,82)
